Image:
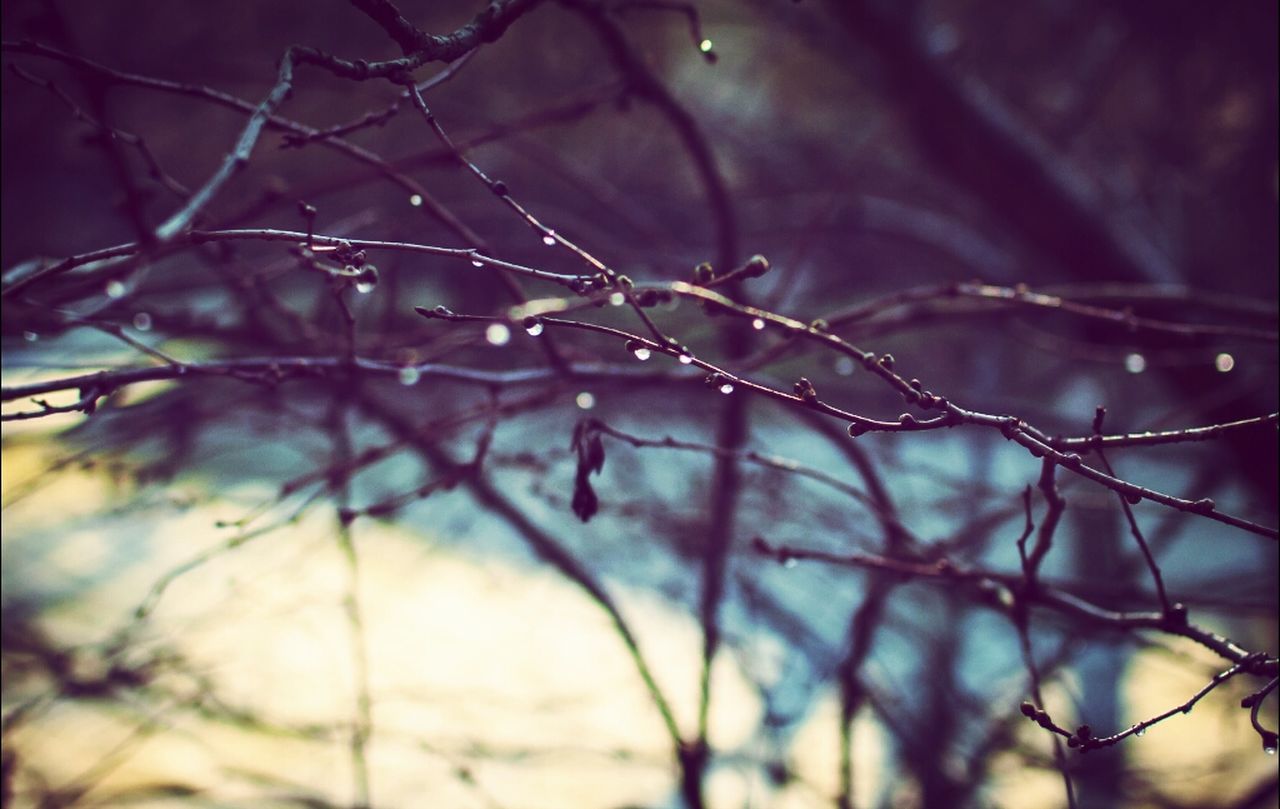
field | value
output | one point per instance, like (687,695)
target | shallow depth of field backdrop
(640,404)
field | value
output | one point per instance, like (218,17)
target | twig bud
(756,266)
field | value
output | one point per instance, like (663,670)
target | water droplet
(142,321)
(534,328)
(549,239)
(642,353)
(1135,363)
(617,299)
(585,401)
(685,359)
(115,289)
(415,200)
(1271,751)
(789,562)
(409,376)
(1224,363)
(705,46)
(758,324)
(497,334)
(367,280)
(30,336)
(845,366)
(475,262)
(726,388)
(1140,732)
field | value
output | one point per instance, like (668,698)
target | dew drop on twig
(115,289)
(726,388)
(585,401)
(142,321)
(617,299)
(409,376)
(638,349)
(367,280)
(685,359)
(549,239)
(415,200)
(534,327)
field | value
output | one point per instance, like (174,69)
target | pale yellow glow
(502,669)
(491,680)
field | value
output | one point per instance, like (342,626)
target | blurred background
(372,588)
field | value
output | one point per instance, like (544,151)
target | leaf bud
(805,390)
(1204,506)
(756,266)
